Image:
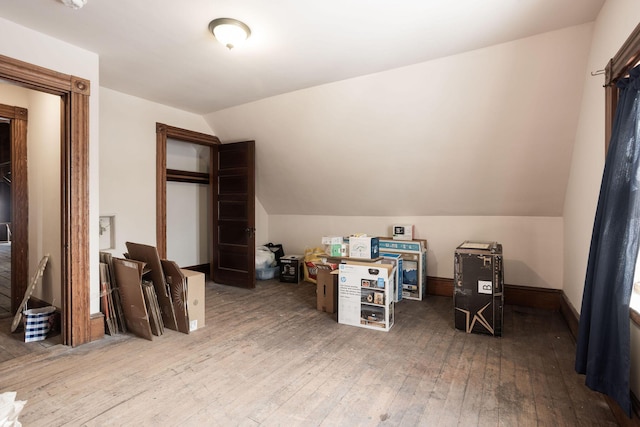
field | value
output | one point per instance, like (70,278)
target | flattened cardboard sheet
(129,279)
(195,299)
(32,285)
(149,255)
(153,309)
(178,287)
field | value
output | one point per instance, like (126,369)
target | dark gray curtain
(603,348)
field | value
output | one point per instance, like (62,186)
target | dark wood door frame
(19,201)
(74,95)
(163,132)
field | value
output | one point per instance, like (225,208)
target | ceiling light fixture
(74,4)
(230,32)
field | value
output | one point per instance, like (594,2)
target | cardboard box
(334,245)
(414,266)
(364,247)
(327,289)
(195,298)
(291,268)
(403,232)
(332,240)
(365,297)
(333,250)
(397,261)
(415,245)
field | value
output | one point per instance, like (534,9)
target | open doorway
(16,202)
(72,94)
(191,165)
(35,178)
(30,200)
(5,217)
(231,175)
(188,203)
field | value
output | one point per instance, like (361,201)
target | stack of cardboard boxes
(361,286)
(365,276)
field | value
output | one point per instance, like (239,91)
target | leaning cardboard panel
(149,255)
(32,285)
(129,278)
(326,289)
(178,287)
(195,298)
(153,309)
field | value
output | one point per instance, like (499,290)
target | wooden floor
(5,280)
(266,357)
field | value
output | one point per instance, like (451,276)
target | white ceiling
(161,50)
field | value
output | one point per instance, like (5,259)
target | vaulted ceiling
(161,50)
(361,107)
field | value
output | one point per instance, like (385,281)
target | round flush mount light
(74,4)
(230,32)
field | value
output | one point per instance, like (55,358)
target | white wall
(486,132)
(43,154)
(614,24)
(471,146)
(532,245)
(128,162)
(188,215)
(262,224)
(36,48)
(188,233)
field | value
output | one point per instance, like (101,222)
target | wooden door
(233,261)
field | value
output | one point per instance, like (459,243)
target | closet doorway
(189,204)
(230,220)
(184,165)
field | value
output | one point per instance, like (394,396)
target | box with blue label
(364,247)
(413,277)
(397,261)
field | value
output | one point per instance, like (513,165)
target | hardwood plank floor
(267,357)
(5,279)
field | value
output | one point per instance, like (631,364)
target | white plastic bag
(265,258)
(10,408)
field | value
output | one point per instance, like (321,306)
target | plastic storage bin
(267,273)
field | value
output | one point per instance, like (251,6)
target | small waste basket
(37,323)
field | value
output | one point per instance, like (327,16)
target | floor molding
(527,296)
(570,315)
(96,326)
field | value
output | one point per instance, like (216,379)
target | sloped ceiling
(366,108)
(161,50)
(487,132)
